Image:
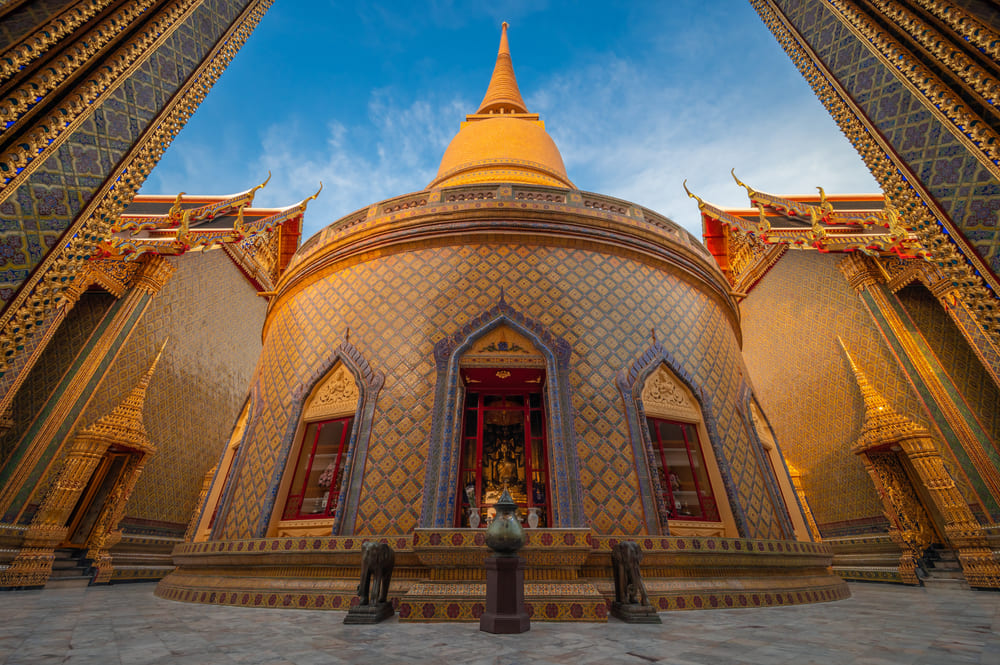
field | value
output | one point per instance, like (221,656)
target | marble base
(632,613)
(361,614)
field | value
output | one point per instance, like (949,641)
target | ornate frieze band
(965,25)
(915,204)
(40,296)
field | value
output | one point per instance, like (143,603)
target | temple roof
(502,141)
(174,225)
(747,241)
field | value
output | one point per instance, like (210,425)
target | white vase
(473,518)
(532,518)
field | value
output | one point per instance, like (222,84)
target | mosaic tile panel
(959,183)
(34,216)
(791,321)
(399,306)
(956,356)
(211,317)
(25,19)
(52,364)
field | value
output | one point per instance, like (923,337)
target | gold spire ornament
(503,95)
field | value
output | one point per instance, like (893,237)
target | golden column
(887,441)
(122,429)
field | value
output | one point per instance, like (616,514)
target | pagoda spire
(124,424)
(882,424)
(503,95)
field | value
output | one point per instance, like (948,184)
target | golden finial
(253,191)
(751,192)
(701,203)
(503,95)
(763,226)
(174,214)
(124,426)
(818,230)
(824,205)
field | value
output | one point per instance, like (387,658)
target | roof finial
(503,95)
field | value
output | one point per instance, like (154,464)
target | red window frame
(534,442)
(297,496)
(695,457)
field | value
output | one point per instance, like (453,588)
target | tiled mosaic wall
(956,356)
(34,216)
(50,367)
(211,318)
(791,322)
(399,306)
(956,178)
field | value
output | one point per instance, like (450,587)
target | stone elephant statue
(629,589)
(377,562)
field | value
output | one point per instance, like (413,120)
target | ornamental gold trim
(35,45)
(42,293)
(906,194)
(50,131)
(966,25)
(977,136)
(968,71)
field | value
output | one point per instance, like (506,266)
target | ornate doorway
(503,445)
(88,508)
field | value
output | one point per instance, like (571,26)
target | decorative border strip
(965,68)
(35,45)
(965,25)
(977,136)
(931,225)
(42,293)
(49,132)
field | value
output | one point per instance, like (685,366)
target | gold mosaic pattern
(200,383)
(399,306)
(791,321)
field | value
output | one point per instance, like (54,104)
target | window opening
(315,486)
(680,465)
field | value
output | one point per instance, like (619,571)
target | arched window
(691,495)
(313,482)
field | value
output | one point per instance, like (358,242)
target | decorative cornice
(48,133)
(965,269)
(968,71)
(966,25)
(859,272)
(154,274)
(41,294)
(35,45)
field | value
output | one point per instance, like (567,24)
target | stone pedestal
(369,613)
(505,613)
(634,613)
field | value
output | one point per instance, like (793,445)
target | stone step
(946,574)
(68,573)
(68,583)
(945,583)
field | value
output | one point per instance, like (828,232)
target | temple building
(107,442)
(502,329)
(894,448)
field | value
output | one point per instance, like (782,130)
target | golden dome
(502,142)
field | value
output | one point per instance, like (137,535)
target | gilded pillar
(887,442)
(123,429)
(41,442)
(962,432)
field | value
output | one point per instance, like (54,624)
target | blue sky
(637,95)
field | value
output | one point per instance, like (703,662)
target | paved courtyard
(879,625)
